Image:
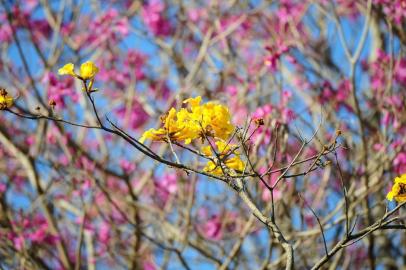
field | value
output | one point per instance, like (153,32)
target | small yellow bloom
(88,70)
(230,159)
(398,191)
(206,150)
(6,101)
(235,163)
(67,69)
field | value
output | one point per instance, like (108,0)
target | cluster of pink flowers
(153,17)
(280,113)
(134,116)
(216,226)
(108,27)
(395,9)
(166,186)
(5,29)
(30,231)
(338,96)
(275,53)
(59,90)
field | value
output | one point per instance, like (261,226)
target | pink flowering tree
(165,134)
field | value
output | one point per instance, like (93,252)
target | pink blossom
(212,228)
(387,117)
(127,166)
(288,115)
(349,8)
(394,9)
(232,90)
(378,147)
(343,91)
(286,96)
(197,14)
(327,92)
(86,223)
(149,266)
(309,219)
(38,235)
(399,163)
(400,71)
(85,163)
(116,185)
(59,89)
(5,30)
(152,15)
(166,186)
(29,5)
(3,187)
(289,11)
(30,140)
(134,116)
(18,242)
(109,26)
(216,225)
(263,133)
(104,232)
(63,160)
(275,53)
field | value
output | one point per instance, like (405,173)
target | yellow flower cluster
(198,121)
(228,155)
(6,101)
(87,70)
(398,191)
(201,121)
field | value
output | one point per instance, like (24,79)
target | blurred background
(328,78)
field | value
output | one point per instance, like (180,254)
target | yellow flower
(213,119)
(88,70)
(197,121)
(229,157)
(398,191)
(67,69)
(6,101)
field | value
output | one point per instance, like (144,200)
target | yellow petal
(389,196)
(206,150)
(188,141)
(400,198)
(401,179)
(149,134)
(235,163)
(67,69)
(194,102)
(212,168)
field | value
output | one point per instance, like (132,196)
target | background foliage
(328,79)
